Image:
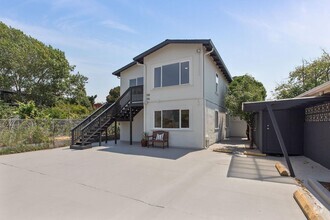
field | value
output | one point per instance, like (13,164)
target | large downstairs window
(172,118)
(171,74)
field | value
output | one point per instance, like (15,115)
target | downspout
(204,101)
(144,93)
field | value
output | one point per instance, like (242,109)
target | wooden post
(106,135)
(130,119)
(115,131)
(100,136)
(280,139)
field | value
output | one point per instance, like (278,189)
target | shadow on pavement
(170,153)
(253,168)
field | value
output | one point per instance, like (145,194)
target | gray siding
(317,142)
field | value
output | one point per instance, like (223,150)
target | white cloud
(305,22)
(60,38)
(119,26)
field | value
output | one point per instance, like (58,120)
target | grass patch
(23,148)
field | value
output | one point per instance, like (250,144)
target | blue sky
(266,39)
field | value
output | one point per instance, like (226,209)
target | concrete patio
(130,182)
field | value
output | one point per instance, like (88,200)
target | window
(184,72)
(184,118)
(157,77)
(171,74)
(139,81)
(132,82)
(158,119)
(216,119)
(216,82)
(172,118)
(136,82)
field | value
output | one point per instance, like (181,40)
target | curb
(254,154)
(281,169)
(222,150)
(320,190)
(304,203)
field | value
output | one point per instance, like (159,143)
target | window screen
(158,118)
(139,81)
(132,82)
(157,77)
(184,118)
(184,72)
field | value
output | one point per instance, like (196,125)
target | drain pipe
(144,93)
(204,101)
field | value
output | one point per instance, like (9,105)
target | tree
(36,71)
(244,89)
(114,94)
(305,77)
(92,99)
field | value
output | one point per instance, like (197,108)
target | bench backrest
(165,138)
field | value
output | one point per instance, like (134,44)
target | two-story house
(183,85)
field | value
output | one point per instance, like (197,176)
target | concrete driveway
(130,182)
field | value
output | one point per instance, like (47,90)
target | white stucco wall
(188,96)
(237,127)
(137,126)
(214,100)
(130,73)
(214,134)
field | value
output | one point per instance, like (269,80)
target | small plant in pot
(144,140)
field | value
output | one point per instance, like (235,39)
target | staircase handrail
(106,110)
(105,105)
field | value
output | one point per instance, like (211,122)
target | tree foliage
(305,77)
(36,71)
(114,94)
(244,89)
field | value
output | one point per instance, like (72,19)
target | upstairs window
(171,74)
(136,82)
(216,82)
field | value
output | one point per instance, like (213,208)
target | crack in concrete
(121,195)
(86,185)
(33,171)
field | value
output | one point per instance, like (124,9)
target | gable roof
(316,91)
(207,43)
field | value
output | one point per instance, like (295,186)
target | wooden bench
(152,139)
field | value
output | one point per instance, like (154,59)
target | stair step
(80,143)
(80,147)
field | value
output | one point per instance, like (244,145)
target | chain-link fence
(19,135)
(46,132)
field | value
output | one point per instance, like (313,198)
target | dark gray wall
(317,142)
(257,132)
(291,124)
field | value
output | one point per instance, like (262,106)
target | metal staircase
(90,130)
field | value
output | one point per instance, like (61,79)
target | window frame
(180,74)
(180,119)
(216,115)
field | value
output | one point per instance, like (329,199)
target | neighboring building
(184,86)
(303,122)
(7,96)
